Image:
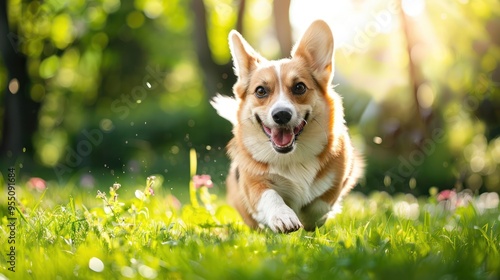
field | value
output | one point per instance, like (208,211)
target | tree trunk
(281,10)
(21,112)
(423,115)
(217,78)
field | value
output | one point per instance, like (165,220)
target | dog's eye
(299,88)
(260,92)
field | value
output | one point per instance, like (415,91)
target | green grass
(68,233)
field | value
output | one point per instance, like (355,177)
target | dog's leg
(272,211)
(257,202)
(314,214)
(236,199)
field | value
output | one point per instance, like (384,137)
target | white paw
(274,213)
(284,220)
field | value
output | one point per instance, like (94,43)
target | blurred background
(103,91)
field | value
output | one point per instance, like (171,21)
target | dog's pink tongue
(282,137)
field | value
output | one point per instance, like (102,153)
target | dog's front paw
(284,220)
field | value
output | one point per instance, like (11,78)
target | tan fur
(322,166)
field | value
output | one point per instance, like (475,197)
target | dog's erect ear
(245,58)
(316,47)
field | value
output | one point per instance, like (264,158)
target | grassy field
(128,233)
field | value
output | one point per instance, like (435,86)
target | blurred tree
(281,15)
(415,79)
(451,88)
(217,77)
(20,119)
(140,72)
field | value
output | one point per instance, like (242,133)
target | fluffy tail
(226,107)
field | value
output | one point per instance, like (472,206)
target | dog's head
(284,100)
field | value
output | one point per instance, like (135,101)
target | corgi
(291,156)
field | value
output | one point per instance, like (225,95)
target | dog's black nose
(282,115)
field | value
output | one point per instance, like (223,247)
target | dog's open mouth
(283,137)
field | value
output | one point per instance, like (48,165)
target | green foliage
(141,235)
(131,70)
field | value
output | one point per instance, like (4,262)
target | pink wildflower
(451,200)
(202,180)
(446,195)
(36,183)
(151,191)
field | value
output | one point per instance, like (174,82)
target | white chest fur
(296,182)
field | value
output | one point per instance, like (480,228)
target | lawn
(144,232)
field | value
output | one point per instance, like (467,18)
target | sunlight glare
(413,8)
(353,26)
(260,10)
(302,13)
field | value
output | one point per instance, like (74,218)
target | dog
(291,155)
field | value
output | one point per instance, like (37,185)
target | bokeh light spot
(49,66)
(62,31)
(96,264)
(14,86)
(135,19)
(425,96)
(106,125)
(153,8)
(49,154)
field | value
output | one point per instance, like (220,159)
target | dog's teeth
(297,130)
(282,137)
